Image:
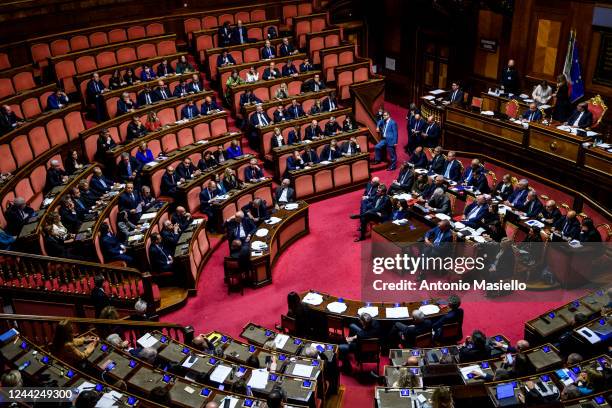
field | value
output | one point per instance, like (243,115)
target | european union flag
(572,70)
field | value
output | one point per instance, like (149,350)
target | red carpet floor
(327,260)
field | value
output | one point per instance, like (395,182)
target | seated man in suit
(253,173)
(95,89)
(438,162)
(408,333)
(225,59)
(112,248)
(313,132)
(438,182)
(416,125)
(146,198)
(504,188)
(533,114)
(404,180)
(475,212)
(454,315)
(286,48)
(248,98)
(306,66)
(181,218)
(135,129)
(330,103)
(452,168)
(350,147)
(294,136)
(240,34)
(518,196)
(169,182)
(503,263)
(366,328)
(280,115)
(181,89)
(125,104)
(568,226)
(332,127)
(170,235)
(379,211)
(310,156)
(164,68)
(331,151)
(455,96)
(294,162)
(17,215)
(550,213)
(268,51)
(147,74)
(271,72)
(195,86)
(186,170)
(208,193)
(57,100)
(128,168)
(99,183)
(314,85)
(209,106)
(581,118)
(189,111)
(256,210)
(162,91)
(81,205)
(289,69)
(284,193)
(418,158)
(370,191)
(430,136)
(532,206)
(240,227)
(436,241)
(146,97)
(295,111)
(224,34)
(8,119)
(479,182)
(475,348)
(259,118)
(466,178)
(159,258)
(131,202)
(56,176)
(439,202)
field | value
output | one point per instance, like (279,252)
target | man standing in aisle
(387,129)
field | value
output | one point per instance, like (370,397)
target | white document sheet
(397,312)
(259,379)
(220,373)
(336,307)
(302,370)
(280,340)
(147,340)
(371,310)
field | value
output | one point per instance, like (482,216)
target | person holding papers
(130,201)
(256,210)
(387,128)
(366,328)
(533,114)
(581,118)
(542,93)
(479,182)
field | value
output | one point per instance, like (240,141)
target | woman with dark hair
(297,310)
(588,232)
(130,78)
(400,210)
(115,80)
(73,162)
(563,106)
(66,347)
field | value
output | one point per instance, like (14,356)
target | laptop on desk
(505,395)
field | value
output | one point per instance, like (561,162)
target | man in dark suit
(208,193)
(253,172)
(56,176)
(408,333)
(439,203)
(271,72)
(256,210)
(181,218)
(331,151)
(454,315)
(189,111)
(430,136)
(162,92)
(284,194)
(532,206)
(581,118)
(294,136)
(57,100)
(186,170)
(286,48)
(147,74)
(131,202)
(475,212)
(479,182)
(289,69)
(240,34)
(181,89)
(438,182)
(128,169)
(367,328)
(81,206)
(330,103)
(313,131)
(8,119)
(294,162)
(146,198)
(550,213)
(415,127)
(314,85)
(306,66)
(209,106)
(350,147)
(170,235)
(95,89)
(224,35)
(99,183)
(99,298)
(225,59)
(112,248)
(240,227)
(164,68)
(17,215)
(146,97)
(452,168)
(519,195)
(510,80)
(268,51)
(469,173)
(504,188)
(259,118)
(248,97)
(332,127)
(436,241)
(404,180)
(455,96)
(418,158)
(160,259)
(135,129)
(379,211)
(568,226)
(280,115)
(195,86)
(125,104)
(310,156)
(437,163)
(295,111)
(475,348)
(169,182)
(532,114)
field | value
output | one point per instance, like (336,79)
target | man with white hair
(170,235)
(519,194)
(141,308)
(239,227)
(407,334)
(476,211)
(56,176)
(117,342)
(439,202)
(284,194)
(532,206)
(181,218)
(17,215)
(551,213)
(148,354)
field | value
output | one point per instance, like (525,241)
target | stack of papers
(397,312)
(148,216)
(272,220)
(337,307)
(371,310)
(136,237)
(220,373)
(428,97)
(314,299)
(441,216)
(324,162)
(429,309)
(535,223)
(202,141)
(259,245)
(109,399)
(459,225)
(280,340)
(262,232)
(291,206)
(147,340)
(403,196)
(487,113)
(401,222)
(222,197)
(479,239)
(437,91)
(469,369)
(259,379)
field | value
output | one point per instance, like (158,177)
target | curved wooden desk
(293,225)
(223,209)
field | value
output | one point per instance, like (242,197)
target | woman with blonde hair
(66,347)
(153,123)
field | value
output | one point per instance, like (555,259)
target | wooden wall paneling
(486,63)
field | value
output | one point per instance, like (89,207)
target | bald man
(510,80)
(368,194)
(239,227)
(533,114)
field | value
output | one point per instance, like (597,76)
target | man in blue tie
(436,242)
(519,195)
(189,111)
(475,212)
(533,114)
(388,139)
